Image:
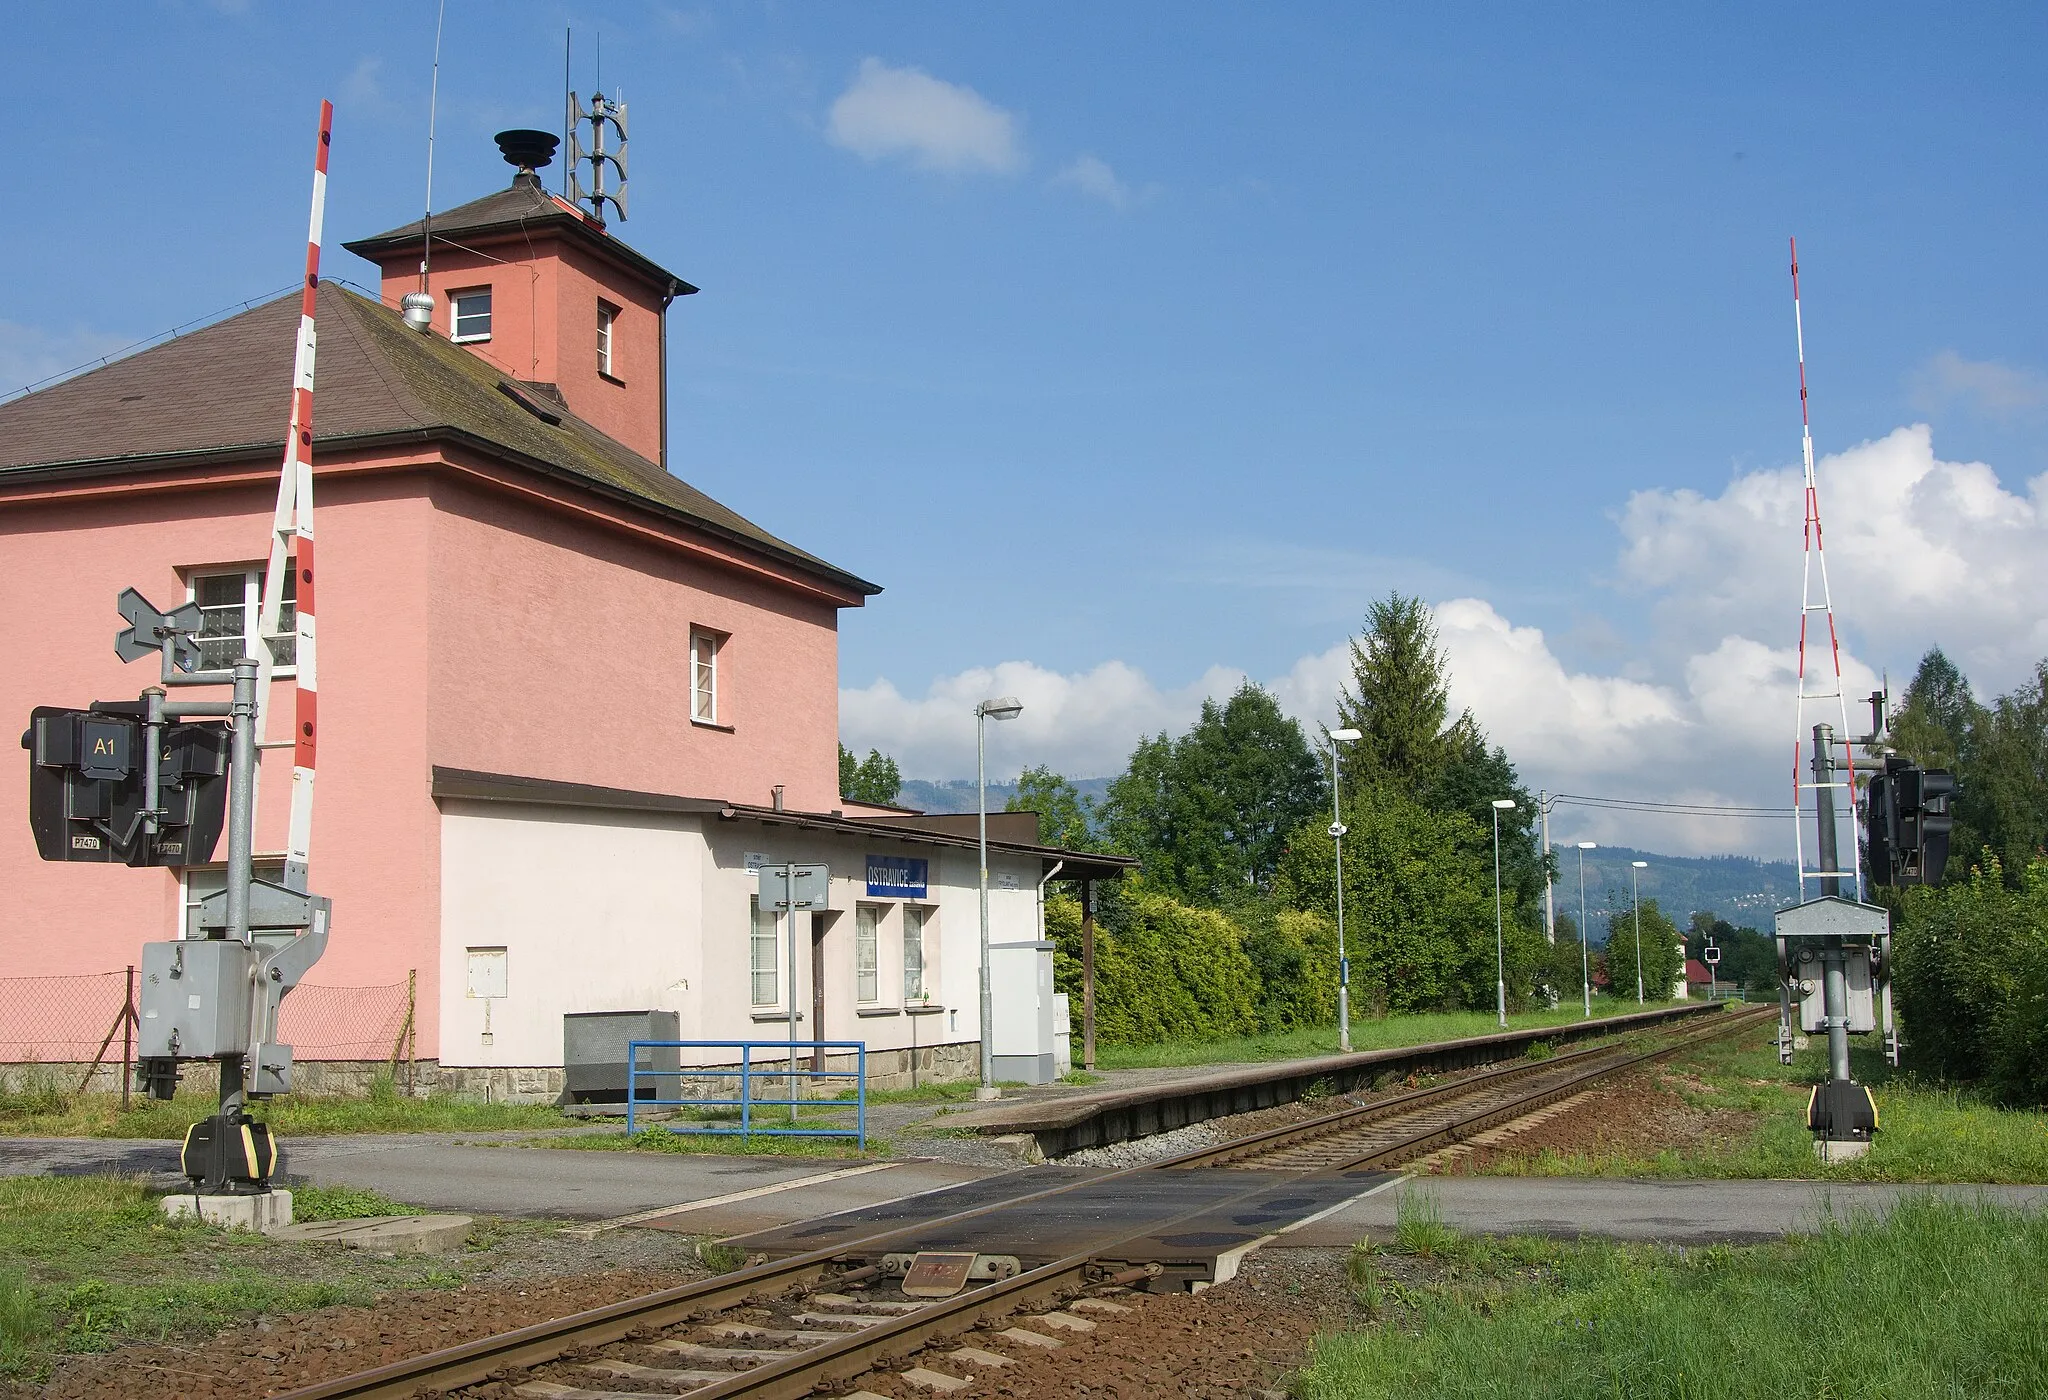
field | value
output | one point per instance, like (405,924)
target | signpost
(803,887)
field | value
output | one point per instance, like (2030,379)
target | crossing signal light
(88,784)
(1908,820)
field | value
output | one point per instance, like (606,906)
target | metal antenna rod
(433,105)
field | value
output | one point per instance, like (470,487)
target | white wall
(597,911)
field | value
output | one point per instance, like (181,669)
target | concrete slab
(386,1234)
(268,1214)
(1672,1212)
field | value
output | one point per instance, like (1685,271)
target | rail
(751,1076)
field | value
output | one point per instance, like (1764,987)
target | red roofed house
(568,701)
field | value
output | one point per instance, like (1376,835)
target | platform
(1069,1121)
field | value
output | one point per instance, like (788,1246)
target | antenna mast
(291,549)
(1815,597)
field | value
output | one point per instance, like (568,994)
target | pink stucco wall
(64,563)
(561,650)
(469,617)
(544,296)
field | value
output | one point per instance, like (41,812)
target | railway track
(814,1322)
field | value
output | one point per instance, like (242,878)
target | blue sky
(1136,347)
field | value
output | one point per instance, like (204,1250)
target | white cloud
(935,124)
(31,354)
(1920,550)
(1092,176)
(2002,391)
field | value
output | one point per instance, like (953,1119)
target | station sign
(897,877)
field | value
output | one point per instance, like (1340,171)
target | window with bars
(704,648)
(867,954)
(761,952)
(914,919)
(469,314)
(607,317)
(231,609)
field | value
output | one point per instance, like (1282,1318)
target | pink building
(568,702)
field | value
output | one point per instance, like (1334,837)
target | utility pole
(1549,892)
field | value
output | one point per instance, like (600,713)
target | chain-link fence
(78,1020)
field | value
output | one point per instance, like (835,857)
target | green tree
(1749,959)
(1472,778)
(871,779)
(2004,799)
(1164,970)
(1065,818)
(1398,698)
(1418,911)
(1661,959)
(1208,813)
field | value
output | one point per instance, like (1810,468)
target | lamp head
(1589,846)
(1504,804)
(1003,707)
(1640,864)
(1345,735)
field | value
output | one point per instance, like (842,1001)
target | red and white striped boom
(1816,597)
(291,549)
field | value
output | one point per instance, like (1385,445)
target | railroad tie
(975,1356)
(744,1332)
(1030,1338)
(1098,1305)
(934,1380)
(695,1351)
(1065,1322)
(627,1370)
(548,1390)
(857,1320)
(843,1301)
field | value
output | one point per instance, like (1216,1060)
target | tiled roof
(224,390)
(524,205)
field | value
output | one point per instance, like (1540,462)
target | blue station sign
(896,877)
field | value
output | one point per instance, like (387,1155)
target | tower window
(471,313)
(607,314)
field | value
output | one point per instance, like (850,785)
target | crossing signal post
(1908,821)
(149,782)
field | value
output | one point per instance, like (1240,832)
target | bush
(1163,970)
(1970,969)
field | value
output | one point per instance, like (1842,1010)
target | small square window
(470,314)
(231,609)
(607,316)
(704,648)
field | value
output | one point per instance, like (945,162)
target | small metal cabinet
(594,1053)
(195,998)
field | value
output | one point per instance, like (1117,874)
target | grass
(659,1139)
(93,1262)
(33,1105)
(344,1203)
(1939,1300)
(1381,1033)
(1927,1132)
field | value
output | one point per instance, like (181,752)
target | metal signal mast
(1815,767)
(290,567)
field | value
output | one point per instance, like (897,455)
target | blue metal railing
(751,1077)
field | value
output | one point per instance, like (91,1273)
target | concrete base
(265,1214)
(1839,1151)
(987,1094)
(386,1234)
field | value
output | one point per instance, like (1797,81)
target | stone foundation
(887,1069)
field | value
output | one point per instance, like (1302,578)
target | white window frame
(867,953)
(252,608)
(917,927)
(773,939)
(704,697)
(607,322)
(455,300)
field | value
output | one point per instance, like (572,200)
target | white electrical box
(487,973)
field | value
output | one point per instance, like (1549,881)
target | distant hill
(1740,889)
(958,795)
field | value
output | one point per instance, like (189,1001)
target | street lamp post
(1585,958)
(1635,888)
(1338,736)
(1006,707)
(1500,955)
